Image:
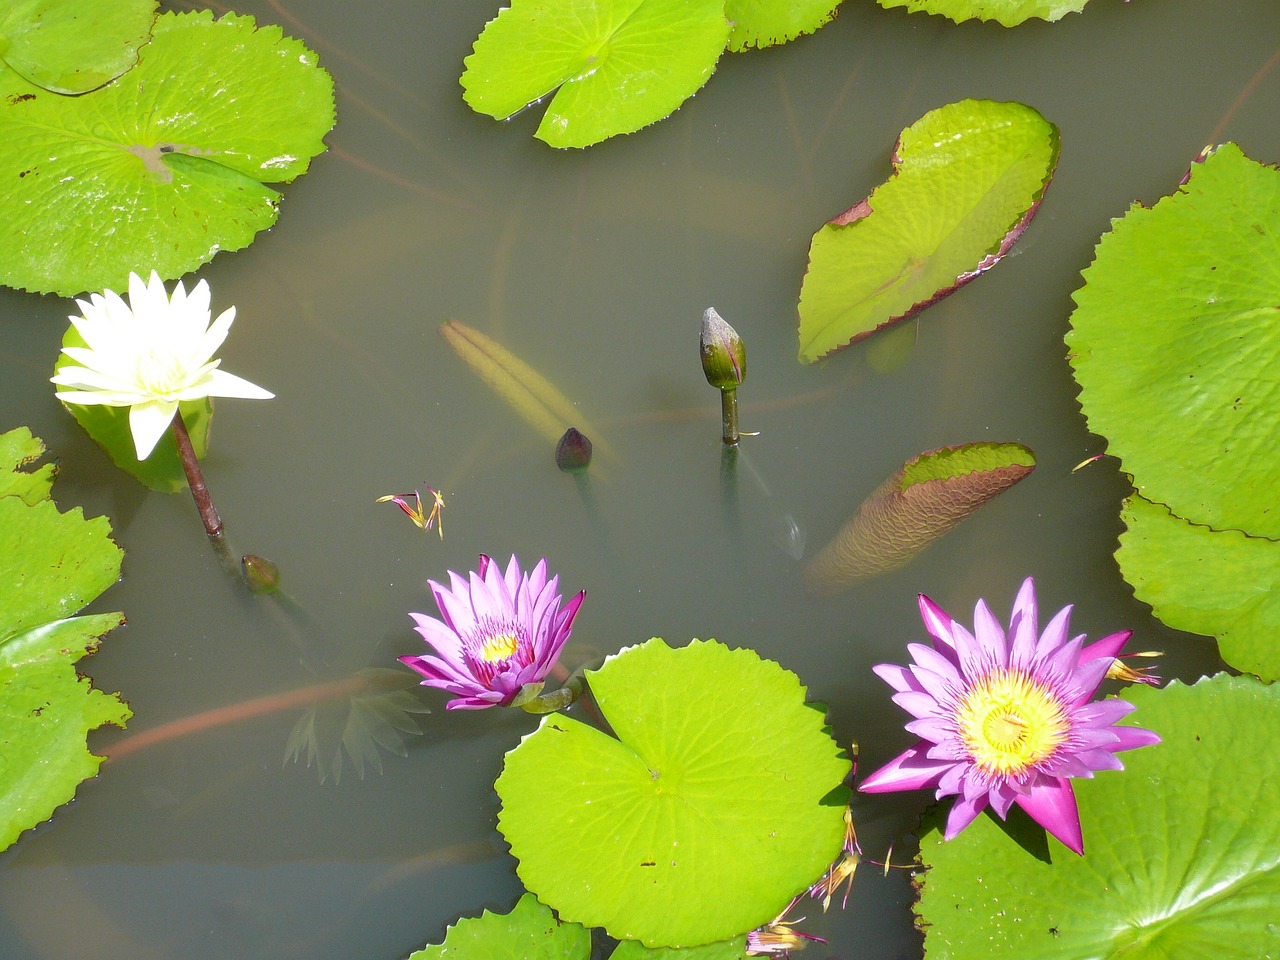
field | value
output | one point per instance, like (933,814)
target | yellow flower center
(499,646)
(158,372)
(1009,722)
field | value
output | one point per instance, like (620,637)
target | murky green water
(594,266)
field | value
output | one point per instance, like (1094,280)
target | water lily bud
(573,452)
(260,574)
(724,358)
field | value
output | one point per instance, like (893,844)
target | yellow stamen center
(498,647)
(1009,722)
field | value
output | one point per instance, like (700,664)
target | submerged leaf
(924,499)
(529,932)
(70,46)
(763,23)
(55,563)
(1182,849)
(721,798)
(18,451)
(528,392)
(1222,583)
(1173,343)
(967,179)
(163,167)
(614,65)
(1010,13)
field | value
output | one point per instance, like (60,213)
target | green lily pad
(51,565)
(109,427)
(163,167)
(735,949)
(529,932)
(1173,342)
(721,798)
(967,179)
(1180,856)
(614,65)
(1222,583)
(71,46)
(18,451)
(1010,13)
(924,498)
(763,23)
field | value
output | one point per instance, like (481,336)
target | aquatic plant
(1007,719)
(500,635)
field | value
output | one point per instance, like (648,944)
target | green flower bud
(724,358)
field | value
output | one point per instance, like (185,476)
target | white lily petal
(223,384)
(148,422)
(94,398)
(216,334)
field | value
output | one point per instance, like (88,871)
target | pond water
(593,266)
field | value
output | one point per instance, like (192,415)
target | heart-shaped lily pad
(719,800)
(528,932)
(163,167)
(967,179)
(614,66)
(764,23)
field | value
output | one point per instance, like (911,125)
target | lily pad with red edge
(61,562)
(1009,13)
(165,166)
(765,23)
(1180,848)
(720,798)
(923,499)
(71,46)
(967,180)
(529,932)
(609,66)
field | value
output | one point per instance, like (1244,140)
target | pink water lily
(1006,719)
(498,635)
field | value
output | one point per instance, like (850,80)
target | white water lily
(148,355)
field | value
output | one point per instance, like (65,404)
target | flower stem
(729,416)
(195,478)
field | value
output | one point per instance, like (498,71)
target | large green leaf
(1222,583)
(51,565)
(1181,849)
(163,167)
(528,932)
(720,799)
(614,65)
(763,23)
(70,46)
(1174,339)
(967,179)
(1008,12)
(19,450)
(924,498)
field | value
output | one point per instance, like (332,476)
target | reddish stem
(195,478)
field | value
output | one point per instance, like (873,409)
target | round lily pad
(1010,13)
(528,932)
(1180,849)
(70,46)
(1173,342)
(720,798)
(163,167)
(764,23)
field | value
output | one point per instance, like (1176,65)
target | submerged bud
(261,575)
(724,358)
(573,452)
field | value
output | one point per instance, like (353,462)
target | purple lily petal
(1005,717)
(498,631)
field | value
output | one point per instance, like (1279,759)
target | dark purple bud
(573,452)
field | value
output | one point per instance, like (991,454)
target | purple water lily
(1007,720)
(499,635)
